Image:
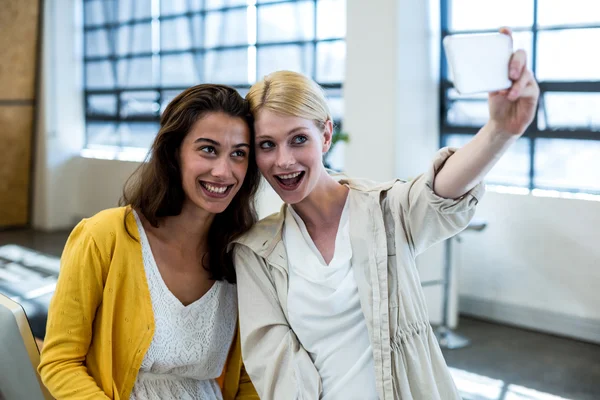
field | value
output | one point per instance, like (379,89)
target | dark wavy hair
(155,188)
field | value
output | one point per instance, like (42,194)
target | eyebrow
(215,143)
(296,129)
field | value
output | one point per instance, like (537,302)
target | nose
(285,158)
(222,169)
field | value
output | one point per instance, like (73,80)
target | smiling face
(213,159)
(289,153)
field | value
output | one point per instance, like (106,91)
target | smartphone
(479,62)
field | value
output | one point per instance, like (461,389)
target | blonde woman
(330,301)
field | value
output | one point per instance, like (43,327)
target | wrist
(497,133)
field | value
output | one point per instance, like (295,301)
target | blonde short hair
(290,93)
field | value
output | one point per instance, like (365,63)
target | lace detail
(190,343)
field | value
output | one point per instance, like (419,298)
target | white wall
(541,254)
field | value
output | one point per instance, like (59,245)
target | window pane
(478,15)
(96,43)
(226,28)
(101,133)
(132,39)
(180,69)
(331,19)
(212,4)
(557,167)
(561,12)
(570,111)
(513,167)
(99,75)
(138,134)
(172,7)
(139,104)
(102,104)
(134,9)
(166,98)
(286,22)
(336,107)
(567,55)
(180,34)
(468,113)
(331,62)
(228,67)
(294,58)
(135,72)
(98,12)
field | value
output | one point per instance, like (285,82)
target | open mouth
(215,190)
(290,181)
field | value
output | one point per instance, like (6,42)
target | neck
(189,229)
(324,205)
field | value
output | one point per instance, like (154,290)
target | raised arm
(278,365)
(70,317)
(511,112)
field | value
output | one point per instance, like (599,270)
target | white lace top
(190,343)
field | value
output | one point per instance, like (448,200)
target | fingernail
(514,73)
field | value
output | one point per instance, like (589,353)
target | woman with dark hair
(145,306)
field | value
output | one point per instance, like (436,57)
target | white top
(325,313)
(190,343)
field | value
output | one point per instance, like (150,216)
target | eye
(267,144)
(208,149)
(238,153)
(300,139)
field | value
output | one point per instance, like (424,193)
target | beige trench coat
(390,224)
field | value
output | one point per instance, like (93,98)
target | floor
(502,362)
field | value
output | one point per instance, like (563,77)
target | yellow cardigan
(100,321)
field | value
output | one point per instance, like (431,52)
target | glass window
(138,56)
(226,28)
(560,149)
(468,15)
(513,167)
(561,12)
(297,58)
(565,55)
(567,164)
(183,33)
(331,19)
(286,22)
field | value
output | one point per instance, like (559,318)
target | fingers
(506,30)
(517,65)
(523,87)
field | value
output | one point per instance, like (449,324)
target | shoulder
(108,227)
(369,186)
(264,232)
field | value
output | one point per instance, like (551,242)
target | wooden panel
(18,47)
(15,136)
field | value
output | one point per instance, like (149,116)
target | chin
(291,198)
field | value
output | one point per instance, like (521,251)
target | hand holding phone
(479,62)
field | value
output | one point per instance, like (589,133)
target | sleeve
(279,366)
(427,217)
(70,317)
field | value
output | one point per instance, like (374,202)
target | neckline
(344,218)
(174,299)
